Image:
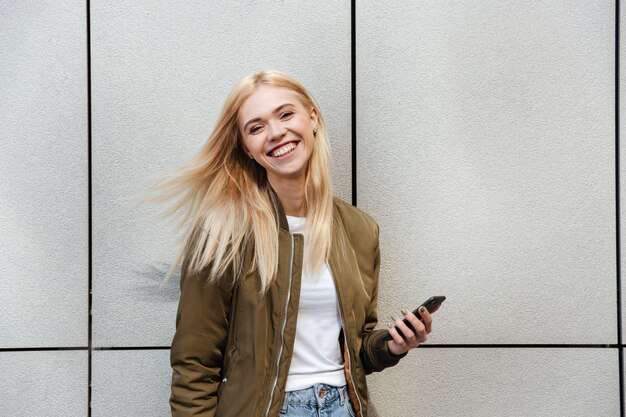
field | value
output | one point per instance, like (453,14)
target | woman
(279,282)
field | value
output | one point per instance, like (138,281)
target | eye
(255,129)
(286,115)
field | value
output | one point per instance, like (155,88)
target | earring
(314,131)
(250,155)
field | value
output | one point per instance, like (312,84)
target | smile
(283,150)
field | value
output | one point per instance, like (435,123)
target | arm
(375,354)
(198,346)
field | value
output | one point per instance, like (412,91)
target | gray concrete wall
(485,149)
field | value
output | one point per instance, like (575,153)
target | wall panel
(505,382)
(160,75)
(131,383)
(43,181)
(486,152)
(51,383)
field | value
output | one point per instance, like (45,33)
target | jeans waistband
(317,395)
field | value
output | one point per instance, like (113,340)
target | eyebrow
(276,110)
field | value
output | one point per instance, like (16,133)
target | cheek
(247,144)
(254,145)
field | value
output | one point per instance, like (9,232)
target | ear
(314,118)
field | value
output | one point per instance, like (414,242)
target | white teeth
(284,149)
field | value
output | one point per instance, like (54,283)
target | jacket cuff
(381,352)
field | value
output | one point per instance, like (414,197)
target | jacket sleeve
(375,355)
(198,346)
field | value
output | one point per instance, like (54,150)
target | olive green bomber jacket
(232,348)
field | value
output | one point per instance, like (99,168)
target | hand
(398,345)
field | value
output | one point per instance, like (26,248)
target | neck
(291,195)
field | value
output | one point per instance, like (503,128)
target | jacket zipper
(282,332)
(345,337)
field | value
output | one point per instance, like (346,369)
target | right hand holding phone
(398,345)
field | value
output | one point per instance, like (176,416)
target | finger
(420,330)
(426,319)
(404,329)
(395,336)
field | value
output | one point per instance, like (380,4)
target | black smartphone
(431,304)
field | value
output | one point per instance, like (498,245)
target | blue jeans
(320,400)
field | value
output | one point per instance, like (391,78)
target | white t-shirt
(317,357)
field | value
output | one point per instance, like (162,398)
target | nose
(275,131)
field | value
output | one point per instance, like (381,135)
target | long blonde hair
(224,200)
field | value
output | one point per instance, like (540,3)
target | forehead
(264,100)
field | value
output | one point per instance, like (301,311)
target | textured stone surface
(131,383)
(51,384)
(504,382)
(43,174)
(486,152)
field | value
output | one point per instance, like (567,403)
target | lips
(282,149)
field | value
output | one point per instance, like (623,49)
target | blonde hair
(225,203)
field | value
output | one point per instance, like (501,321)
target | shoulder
(355,220)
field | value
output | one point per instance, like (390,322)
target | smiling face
(277,131)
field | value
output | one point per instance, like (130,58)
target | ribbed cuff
(381,352)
